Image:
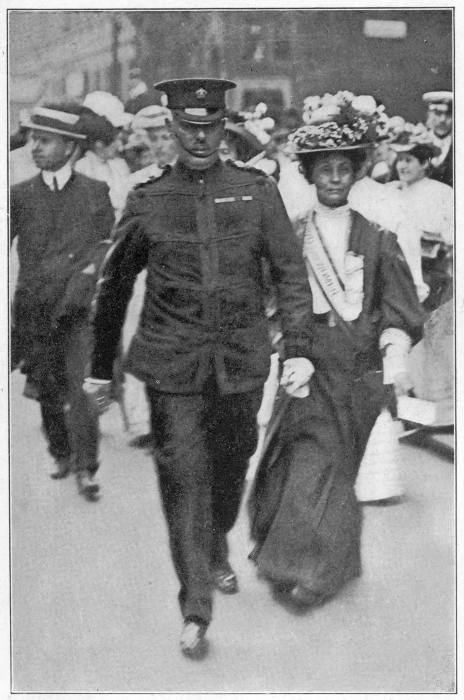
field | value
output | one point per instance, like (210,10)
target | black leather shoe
(304,597)
(225,579)
(63,467)
(192,640)
(87,487)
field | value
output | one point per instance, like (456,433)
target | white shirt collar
(62,176)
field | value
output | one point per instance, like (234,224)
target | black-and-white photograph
(232,350)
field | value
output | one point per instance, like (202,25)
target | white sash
(347,303)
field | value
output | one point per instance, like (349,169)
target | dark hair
(96,127)
(422,152)
(308,160)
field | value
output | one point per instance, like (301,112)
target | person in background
(305,518)
(152,123)
(440,122)
(246,140)
(101,160)
(62,221)
(140,96)
(429,204)
(202,347)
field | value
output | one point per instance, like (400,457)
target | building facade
(275,56)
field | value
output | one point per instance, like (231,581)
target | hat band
(56,115)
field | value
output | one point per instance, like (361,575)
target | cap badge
(201,93)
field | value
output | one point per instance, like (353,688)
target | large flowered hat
(403,136)
(343,121)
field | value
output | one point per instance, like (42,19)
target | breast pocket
(236,214)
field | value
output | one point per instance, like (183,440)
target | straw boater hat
(55,120)
(340,122)
(439,98)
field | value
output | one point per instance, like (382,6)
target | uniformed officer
(202,347)
(440,122)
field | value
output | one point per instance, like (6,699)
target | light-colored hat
(107,105)
(438,97)
(54,120)
(404,138)
(151,117)
(343,121)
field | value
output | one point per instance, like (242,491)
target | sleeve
(80,288)
(123,262)
(15,210)
(400,308)
(288,274)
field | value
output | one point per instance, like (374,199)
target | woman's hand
(402,384)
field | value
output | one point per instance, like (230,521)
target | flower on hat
(340,120)
(257,123)
(408,135)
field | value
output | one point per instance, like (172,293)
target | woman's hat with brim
(239,131)
(340,122)
(55,121)
(412,136)
(151,117)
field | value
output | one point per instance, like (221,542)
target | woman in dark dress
(305,519)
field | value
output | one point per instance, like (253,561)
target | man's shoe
(225,579)
(192,640)
(63,467)
(87,486)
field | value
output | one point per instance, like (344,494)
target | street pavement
(94,604)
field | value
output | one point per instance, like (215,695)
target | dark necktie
(55,185)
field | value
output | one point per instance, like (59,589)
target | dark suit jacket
(61,237)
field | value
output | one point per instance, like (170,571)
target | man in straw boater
(61,220)
(440,122)
(202,347)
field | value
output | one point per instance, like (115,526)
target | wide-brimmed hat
(55,119)
(340,122)
(151,117)
(403,138)
(109,106)
(196,100)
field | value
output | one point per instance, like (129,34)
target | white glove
(297,371)
(99,392)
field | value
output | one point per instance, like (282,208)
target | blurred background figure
(104,117)
(427,202)
(150,126)
(246,141)
(440,122)
(139,95)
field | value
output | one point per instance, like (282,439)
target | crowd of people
(182,258)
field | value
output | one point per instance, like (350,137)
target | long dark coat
(305,519)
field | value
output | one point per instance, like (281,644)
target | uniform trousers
(202,445)
(70,422)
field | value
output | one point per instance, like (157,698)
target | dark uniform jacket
(61,236)
(202,236)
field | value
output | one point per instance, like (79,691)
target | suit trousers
(202,446)
(70,421)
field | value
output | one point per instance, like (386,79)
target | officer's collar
(191,174)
